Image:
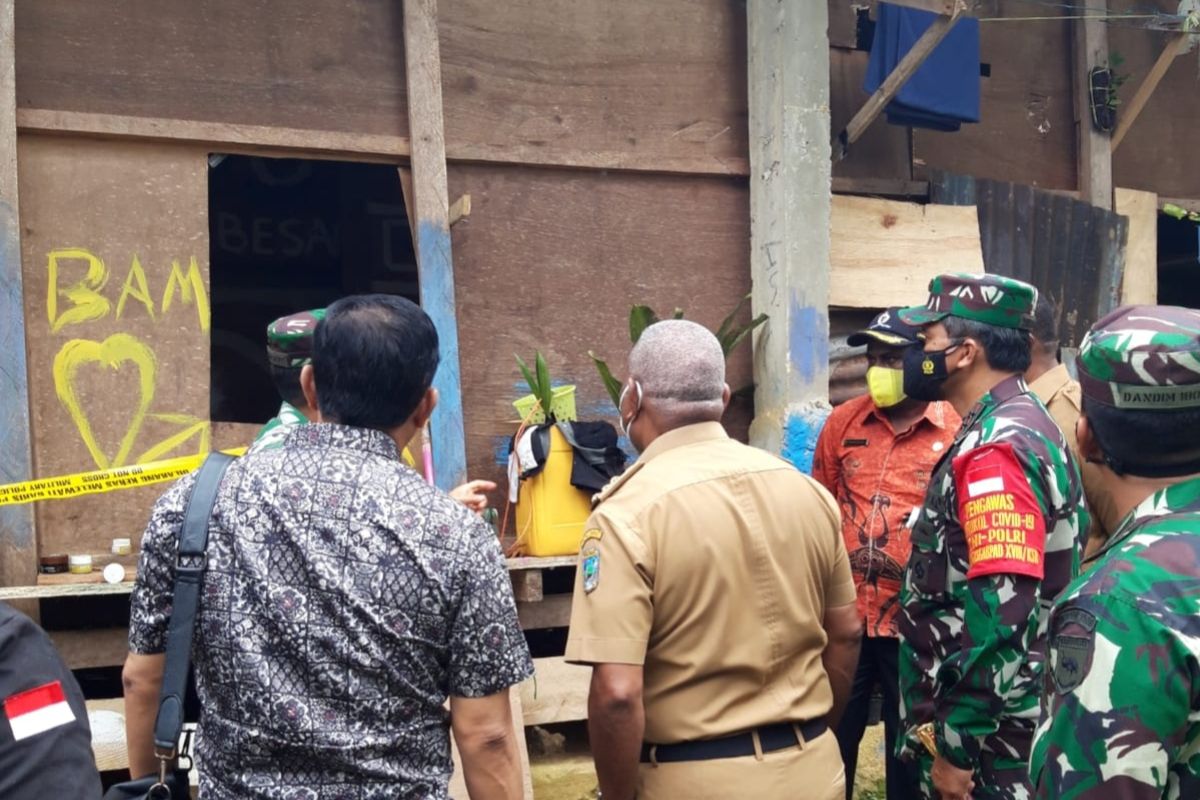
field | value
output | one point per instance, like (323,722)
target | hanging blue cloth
(944,92)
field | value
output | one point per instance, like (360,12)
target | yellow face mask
(886,386)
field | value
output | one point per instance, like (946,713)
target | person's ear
(1089,447)
(425,407)
(725,396)
(968,353)
(308,385)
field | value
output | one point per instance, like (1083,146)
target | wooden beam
(18,544)
(1139,284)
(885,187)
(527,585)
(98,647)
(1129,113)
(1094,151)
(912,61)
(552,611)
(435,267)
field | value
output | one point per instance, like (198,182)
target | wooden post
(1129,114)
(789,222)
(430,201)
(18,547)
(1094,154)
(891,86)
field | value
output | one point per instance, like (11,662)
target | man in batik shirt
(344,598)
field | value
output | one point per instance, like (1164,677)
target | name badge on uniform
(590,564)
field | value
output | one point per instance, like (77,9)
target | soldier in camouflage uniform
(1122,689)
(289,348)
(996,540)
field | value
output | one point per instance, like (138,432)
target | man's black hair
(287,383)
(1151,444)
(374,357)
(1045,323)
(1006,349)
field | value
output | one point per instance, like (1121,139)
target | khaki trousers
(811,770)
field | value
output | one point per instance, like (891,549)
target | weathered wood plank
(1094,155)
(431,211)
(1140,284)
(884,252)
(18,544)
(552,611)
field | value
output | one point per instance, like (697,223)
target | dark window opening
(1178,262)
(287,235)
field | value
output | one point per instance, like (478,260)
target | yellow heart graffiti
(114,351)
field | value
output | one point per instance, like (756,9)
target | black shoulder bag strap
(189,570)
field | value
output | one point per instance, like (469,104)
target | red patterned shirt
(878,478)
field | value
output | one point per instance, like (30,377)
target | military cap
(289,339)
(990,299)
(1143,358)
(887,328)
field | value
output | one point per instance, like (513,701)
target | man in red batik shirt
(875,454)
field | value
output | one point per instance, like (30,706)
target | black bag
(171,782)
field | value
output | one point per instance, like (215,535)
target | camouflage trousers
(996,778)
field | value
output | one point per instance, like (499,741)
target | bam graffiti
(77,279)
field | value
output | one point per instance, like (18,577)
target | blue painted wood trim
(436,278)
(17,544)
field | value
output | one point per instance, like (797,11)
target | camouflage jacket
(271,436)
(1121,715)
(998,538)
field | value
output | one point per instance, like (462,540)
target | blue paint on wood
(16,460)
(808,341)
(436,278)
(800,433)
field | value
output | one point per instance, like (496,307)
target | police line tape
(102,480)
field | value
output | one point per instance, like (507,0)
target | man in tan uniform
(1059,392)
(713,598)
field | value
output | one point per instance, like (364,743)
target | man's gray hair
(680,364)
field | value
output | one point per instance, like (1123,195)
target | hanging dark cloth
(597,459)
(944,92)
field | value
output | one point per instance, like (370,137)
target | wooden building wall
(604,145)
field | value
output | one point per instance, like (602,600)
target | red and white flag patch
(38,710)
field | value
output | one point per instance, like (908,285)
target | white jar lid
(83,560)
(114,573)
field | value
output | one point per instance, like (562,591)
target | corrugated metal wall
(1073,251)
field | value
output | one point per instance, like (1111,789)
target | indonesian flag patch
(38,710)
(999,514)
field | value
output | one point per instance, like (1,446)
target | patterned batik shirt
(998,538)
(272,434)
(344,599)
(1121,709)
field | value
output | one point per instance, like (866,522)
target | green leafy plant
(730,334)
(539,381)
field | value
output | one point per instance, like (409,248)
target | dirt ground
(562,766)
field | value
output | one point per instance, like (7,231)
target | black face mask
(925,372)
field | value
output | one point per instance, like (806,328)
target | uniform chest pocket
(928,570)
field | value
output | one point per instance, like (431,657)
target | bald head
(681,369)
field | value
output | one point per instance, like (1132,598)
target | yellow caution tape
(102,480)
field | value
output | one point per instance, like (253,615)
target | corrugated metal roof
(1073,251)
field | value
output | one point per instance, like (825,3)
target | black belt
(772,737)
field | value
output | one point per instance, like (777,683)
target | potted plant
(730,334)
(545,402)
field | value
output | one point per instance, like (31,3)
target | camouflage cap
(1143,358)
(990,299)
(289,339)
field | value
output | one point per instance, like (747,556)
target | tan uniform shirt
(712,564)
(1064,400)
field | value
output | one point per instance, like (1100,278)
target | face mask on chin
(925,373)
(886,386)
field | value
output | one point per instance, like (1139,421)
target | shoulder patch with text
(1000,516)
